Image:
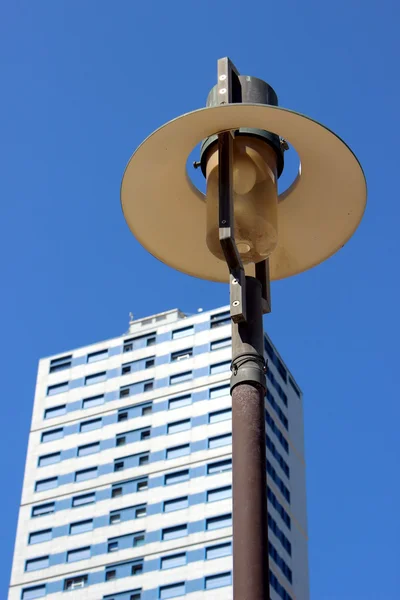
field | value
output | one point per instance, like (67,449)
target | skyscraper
(127,488)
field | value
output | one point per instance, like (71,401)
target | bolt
(284,145)
(223,222)
(196,164)
(234,281)
(235,303)
(222,77)
(222,91)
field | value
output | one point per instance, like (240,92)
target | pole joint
(250,368)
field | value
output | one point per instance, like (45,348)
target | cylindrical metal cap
(253,91)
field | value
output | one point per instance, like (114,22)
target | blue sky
(83,83)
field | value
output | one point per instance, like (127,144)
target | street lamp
(241,223)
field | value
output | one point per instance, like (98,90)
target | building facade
(127,488)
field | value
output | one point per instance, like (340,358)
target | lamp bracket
(228,92)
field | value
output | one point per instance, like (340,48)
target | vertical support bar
(262,274)
(250,516)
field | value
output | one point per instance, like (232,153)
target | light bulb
(255,199)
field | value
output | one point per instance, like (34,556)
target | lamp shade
(316,216)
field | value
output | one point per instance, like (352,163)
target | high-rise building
(127,489)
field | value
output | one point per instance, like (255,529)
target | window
(49,459)
(219,522)
(224,343)
(96,356)
(216,581)
(59,364)
(140,512)
(43,509)
(135,596)
(52,390)
(54,434)
(294,386)
(151,341)
(84,499)
(147,410)
(176,477)
(116,492)
(220,367)
(86,474)
(278,481)
(37,563)
(218,551)
(181,333)
(220,319)
(121,440)
(180,377)
(112,546)
(277,409)
(217,392)
(115,518)
(40,536)
(148,386)
(142,485)
(124,392)
(176,504)
(150,362)
(138,540)
(126,369)
(278,507)
(78,554)
(144,459)
(220,440)
(272,425)
(178,451)
(171,591)
(220,415)
(55,411)
(122,416)
(75,583)
(119,465)
(179,402)
(145,434)
(93,401)
(81,527)
(46,484)
(219,494)
(219,467)
(172,533)
(90,425)
(95,378)
(178,426)
(111,574)
(89,449)
(38,591)
(181,354)
(137,569)
(272,524)
(174,560)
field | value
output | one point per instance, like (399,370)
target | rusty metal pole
(250,517)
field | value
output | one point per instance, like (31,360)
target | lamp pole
(250,516)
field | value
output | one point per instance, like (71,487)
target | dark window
(149,363)
(138,540)
(151,341)
(116,492)
(126,369)
(148,386)
(112,546)
(181,354)
(122,416)
(142,485)
(75,583)
(118,466)
(124,392)
(147,410)
(145,434)
(137,569)
(121,440)
(144,459)
(59,364)
(220,319)
(111,574)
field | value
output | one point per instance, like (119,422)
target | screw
(196,164)
(284,145)
(223,222)
(222,91)
(234,281)
(222,77)
(235,303)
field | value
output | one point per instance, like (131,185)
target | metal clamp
(228,92)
